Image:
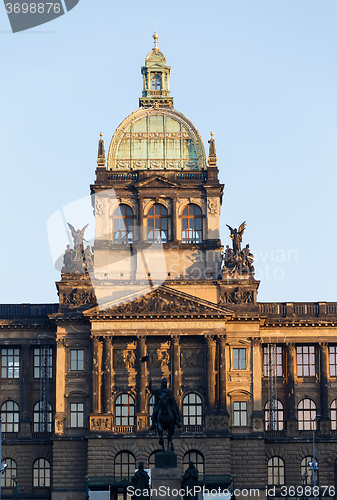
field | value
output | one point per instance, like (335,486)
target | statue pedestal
(166,476)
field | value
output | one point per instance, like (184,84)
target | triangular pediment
(162,302)
(156,181)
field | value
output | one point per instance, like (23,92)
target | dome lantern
(156,73)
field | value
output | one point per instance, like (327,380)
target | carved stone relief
(192,358)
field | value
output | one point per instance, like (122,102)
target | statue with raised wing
(78,235)
(236,236)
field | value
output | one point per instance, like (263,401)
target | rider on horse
(163,389)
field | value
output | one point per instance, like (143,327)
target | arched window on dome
(157,224)
(156,82)
(122,220)
(191,224)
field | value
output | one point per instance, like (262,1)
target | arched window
(125,410)
(333,415)
(275,471)
(152,459)
(122,221)
(306,412)
(6,477)
(157,224)
(198,461)
(151,405)
(191,221)
(273,415)
(156,82)
(307,470)
(41,473)
(124,465)
(192,409)
(10,417)
(43,417)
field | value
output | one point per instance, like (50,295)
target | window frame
(300,366)
(46,477)
(240,412)
(122,465)
(161,217)
(76,414)
(192,220)
(15,417)
(124,234)
(76,360)
(131,407)
(198,460)
(15,358)
(239,359)
(279,411)
(37,421)
(190,419)
(304,411)
(37,365)
(333,414)
(6,477)
(273,470)
(279,361)
(333,356)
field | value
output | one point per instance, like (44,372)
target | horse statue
(165,422)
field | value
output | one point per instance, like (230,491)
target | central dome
(156,139)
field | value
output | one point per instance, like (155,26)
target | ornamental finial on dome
(212,154)
(101,160)
(155,38)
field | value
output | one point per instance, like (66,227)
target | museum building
(252,380)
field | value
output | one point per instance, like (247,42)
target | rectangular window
(240,413)
(272,355)
(306,361)
(333,360)
(76,414)
(239,359)
(10,363)
(43,361)
(77,359)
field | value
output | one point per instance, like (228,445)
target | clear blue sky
(260,73)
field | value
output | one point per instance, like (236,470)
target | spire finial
(101,161)
(155,38)
(212,153)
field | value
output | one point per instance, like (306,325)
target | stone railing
(32,310)
(105,423)
(295,309)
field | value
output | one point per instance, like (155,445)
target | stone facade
(249,378)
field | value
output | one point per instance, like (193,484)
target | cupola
(156,75)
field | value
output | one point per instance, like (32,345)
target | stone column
(107,374)
(25,422)
(291,415)
(210,402)
(141,374)
(175,344)
(60,385)
(141,222)
(174,220)
(222,373)
(97,375)
(257,386)
(324,421)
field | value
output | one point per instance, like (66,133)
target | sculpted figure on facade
(237,262)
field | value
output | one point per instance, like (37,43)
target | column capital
(323,344)
(290,344)
(209,337)
(141,338)
(222,337)
(61,342)
(175,339)
(257,341)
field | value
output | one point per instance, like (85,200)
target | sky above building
(261,74)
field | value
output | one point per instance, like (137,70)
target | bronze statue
(190,480)
(236,236)
(141,481)
(165,413)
